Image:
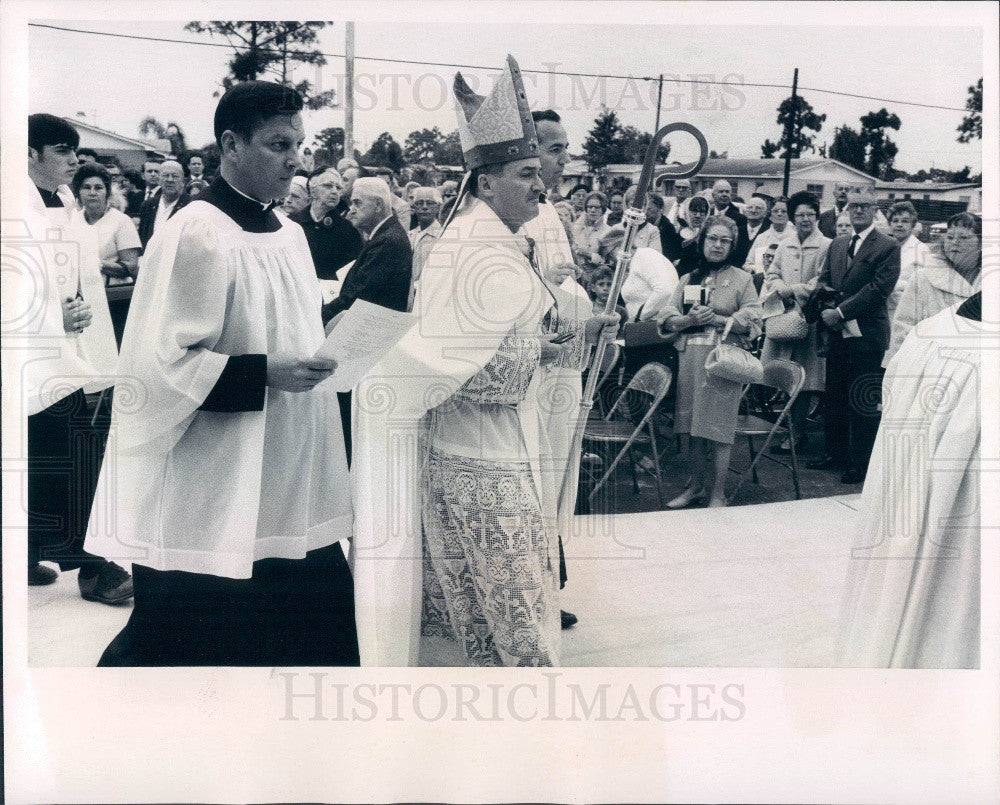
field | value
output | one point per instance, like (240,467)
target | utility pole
(349,93)
(790,131)
(659,99)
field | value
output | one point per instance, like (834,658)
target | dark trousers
(290,612)
(562,565)
(64,458)
(344,400)
(851,404)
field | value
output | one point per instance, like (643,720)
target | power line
(387,60)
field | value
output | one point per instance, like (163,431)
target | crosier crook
(632,219)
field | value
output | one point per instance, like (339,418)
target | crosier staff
(632,219)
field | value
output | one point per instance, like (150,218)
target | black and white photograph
(587,394)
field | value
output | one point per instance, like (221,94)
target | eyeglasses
(424,203)
(715,239)
(594,209)
(860,206)
(803,215)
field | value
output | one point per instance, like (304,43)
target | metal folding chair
(612,354)
(787,377)
(650,382)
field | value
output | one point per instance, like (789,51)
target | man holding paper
(225,480)
(383,271)
(450,433)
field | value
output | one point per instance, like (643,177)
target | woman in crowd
(118,239)
(298,196)
(588,231)
(697,214)
(944,281)
(647,236)
(774,234)
(912,253)
(788,284)
(707,406)
(577,197)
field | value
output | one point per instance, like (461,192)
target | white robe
(476,288)
(208,492)
(912,597)
(48,255)
(560,387)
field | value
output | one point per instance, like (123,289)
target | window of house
(816,190)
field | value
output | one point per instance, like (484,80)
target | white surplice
(560,387)
(57,258)
(912,597)
(208,492)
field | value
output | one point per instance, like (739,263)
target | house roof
(161,147)
(745,168)
(927,187)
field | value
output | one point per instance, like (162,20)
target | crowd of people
(230,481)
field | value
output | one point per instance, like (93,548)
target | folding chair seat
(788,378)
(650,385)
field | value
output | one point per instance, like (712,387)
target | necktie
(853,246)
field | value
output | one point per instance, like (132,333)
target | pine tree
(271,49)
(795,139)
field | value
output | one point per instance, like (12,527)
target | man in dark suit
(151,176)
(864,268)
(756,210)
(722,196)
(382,273)
(828,219)
(160,207)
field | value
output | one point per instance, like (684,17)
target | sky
(117,82)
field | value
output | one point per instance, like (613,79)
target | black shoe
(826,463)
(853,477)
(111,585)
(785,448)
(567,618)
(39,575)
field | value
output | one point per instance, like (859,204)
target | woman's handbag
(733,363)
(788,326)
(646,333)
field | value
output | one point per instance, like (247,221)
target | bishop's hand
(550,352)
(298,374)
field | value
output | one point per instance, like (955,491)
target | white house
(934,201)
(749,176)
(131,152)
